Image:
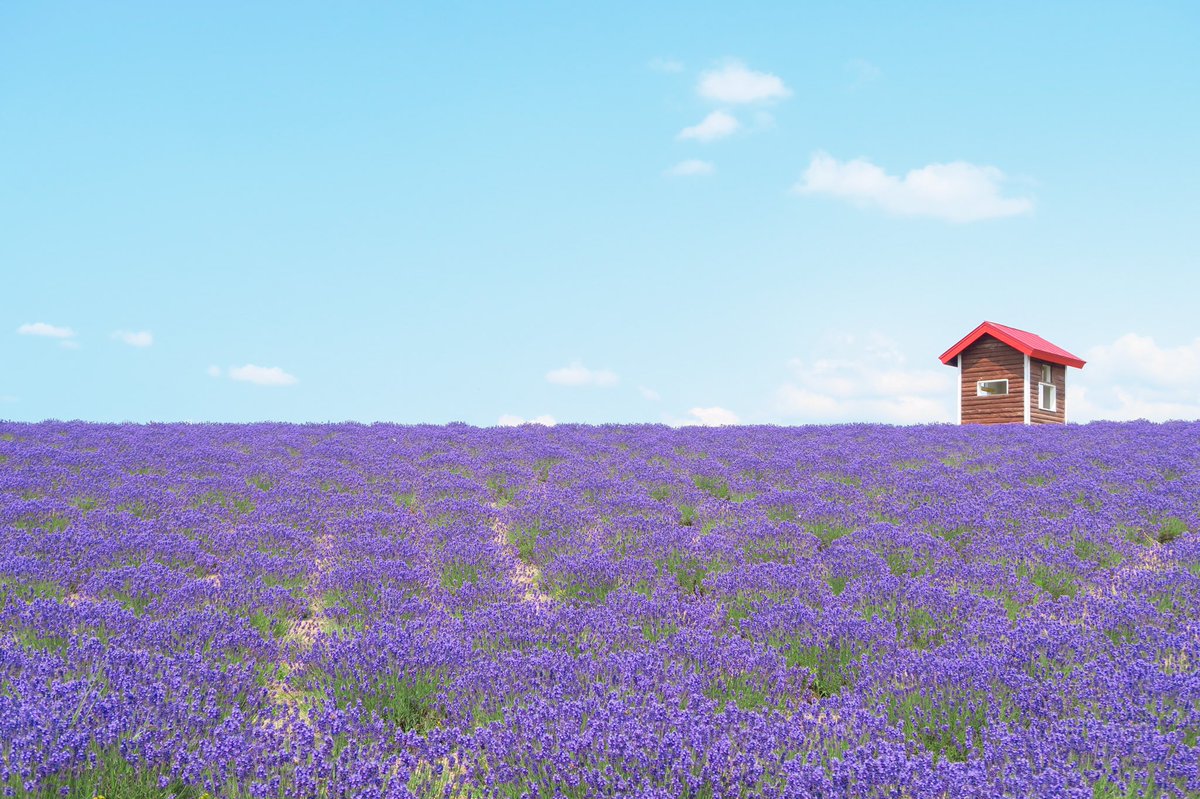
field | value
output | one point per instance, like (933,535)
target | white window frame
(1053,397)
(1047,375)
(979,392)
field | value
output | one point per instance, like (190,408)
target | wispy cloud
(717,125)
(862,72)
(142,338)
(509,420)
(957,191)
(713,416)
(734,82)
(857,378)
(649,393)
(45,330)
(1135,377)
(668,65)
(261,375)
(576,374)
(213,371)
(693,167)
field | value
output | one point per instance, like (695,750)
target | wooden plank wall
(1058,376)
(990,359)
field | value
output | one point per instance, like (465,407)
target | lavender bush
(361,611)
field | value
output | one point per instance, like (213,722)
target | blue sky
(488,212)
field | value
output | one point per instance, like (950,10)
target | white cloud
(142,338)
(1135,378)
(8,398)
(957,191)
(508,420)
(693,167)
(69,344)
(734,82)
(46,330)
(649,393)
(706,417)
(714,416)
(261,375)
(1141,358)
(213,371)
(669,65)
(862,71)
(865,379)
(576,374)
(717,125)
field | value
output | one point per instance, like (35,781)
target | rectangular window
(992,388)
(1047,397)
(1046,373)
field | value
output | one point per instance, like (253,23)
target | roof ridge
(1025,341)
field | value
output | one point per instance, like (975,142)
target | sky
(616,212)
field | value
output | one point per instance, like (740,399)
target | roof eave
(963,343)
(1050,357)
(996,332)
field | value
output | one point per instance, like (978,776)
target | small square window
(991,388)
(1046,373)
(1047,397)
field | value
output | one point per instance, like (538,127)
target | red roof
(1032,345)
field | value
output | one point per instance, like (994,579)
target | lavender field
(360,611)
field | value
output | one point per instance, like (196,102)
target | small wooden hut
(1012,376)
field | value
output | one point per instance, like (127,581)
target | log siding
(1058,378)
(990,359)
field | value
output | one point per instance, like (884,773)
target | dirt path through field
(303,632)
(525,576)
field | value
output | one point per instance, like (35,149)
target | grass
(905,562)
(769,549)
(783,513)
(831,667)
(1160,531)
(457,573)
(718,488)
(134,603)
(743,690)
(240,505)
(405,499)
(52,523)
(29,589)
(1055,582)
(270,625)
(689,571)
(1041,666)
(837,583)
(408,701)
(924,631)
(502,493)
(655,630)
(261,482)
(1134,789)
(34,641)
(85,504)
(950,724)
(572,589)
(829,531)
(1170,529)
(542,468)
(113,777)
(524,539)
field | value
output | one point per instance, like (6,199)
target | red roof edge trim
(1023,341)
